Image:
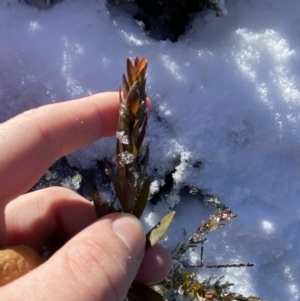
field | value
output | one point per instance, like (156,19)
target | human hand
(100,258)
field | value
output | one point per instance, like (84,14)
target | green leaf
(142,199)
(142,292)
(159,230)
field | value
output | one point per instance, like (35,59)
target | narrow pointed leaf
(127,192)
(141,76)
(114,179)
(130,72)
(145,161)
(142,199)
(101,207)
(126,86)
(133,98)
(123,120)
(159,230)
(142,292)
(143,132)
(141,79)
(128,198)
(134,149)
(120,94)
(136,61)
(141,68)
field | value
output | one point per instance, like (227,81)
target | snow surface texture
(226,94)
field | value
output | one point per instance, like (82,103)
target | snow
(226,94)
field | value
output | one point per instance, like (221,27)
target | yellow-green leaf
(159,230)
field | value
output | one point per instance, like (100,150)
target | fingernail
(131,232)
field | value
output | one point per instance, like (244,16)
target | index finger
(33,140)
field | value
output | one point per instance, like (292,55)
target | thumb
(99,263)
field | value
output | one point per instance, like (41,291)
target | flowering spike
(131,185)
(132,126)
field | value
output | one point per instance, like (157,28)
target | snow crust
(226,94)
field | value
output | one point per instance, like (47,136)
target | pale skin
(99,258)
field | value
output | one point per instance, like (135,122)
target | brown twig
(218,266)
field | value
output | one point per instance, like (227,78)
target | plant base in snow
(131,186)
